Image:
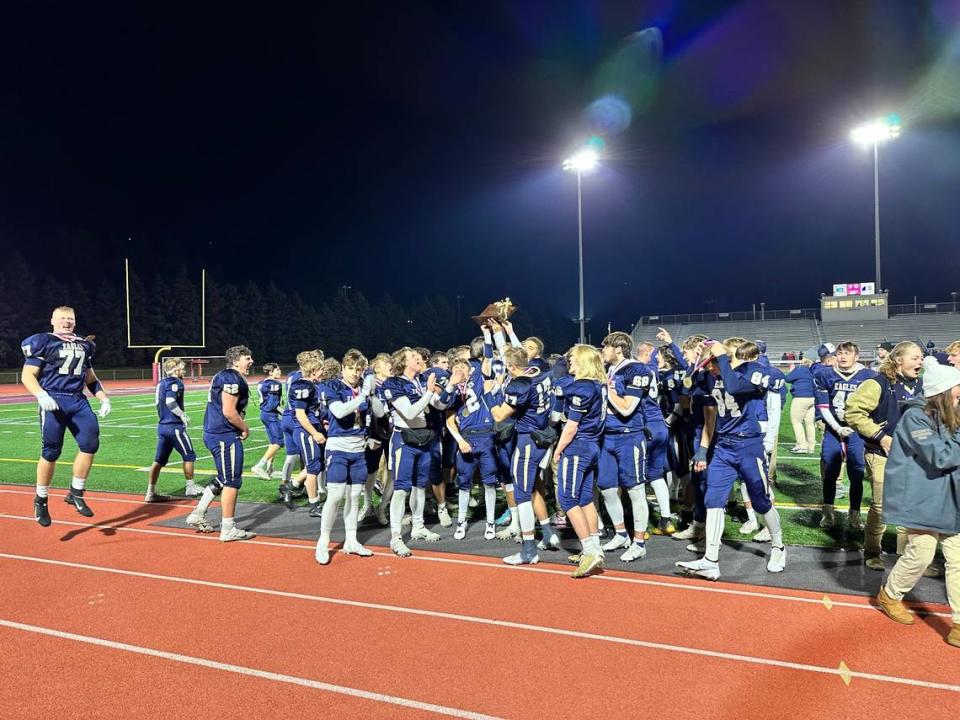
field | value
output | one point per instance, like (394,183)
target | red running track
(156,622)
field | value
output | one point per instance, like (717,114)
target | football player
(271,398)
(309,436)
(172,431)
(658,438)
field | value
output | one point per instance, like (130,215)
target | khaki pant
(801,417)
(917,556)
(875,527)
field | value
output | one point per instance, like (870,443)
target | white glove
(186,420)
(105,408)
(845,431)
(47,403)
(369,384)
(768,448)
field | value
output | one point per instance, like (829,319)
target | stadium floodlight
(580,162)
(872,134)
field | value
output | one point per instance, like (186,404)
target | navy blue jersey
(834,385)
(650,402)
(230,382)
(631,379)
(169,387)
(436,418)
(271,396)
(397,387)
(740,395)
(671,385)
(63,361)
(291,378)
(305,396)
(352,425)
(473,406)
(585,402)
(531,401)
(778,384)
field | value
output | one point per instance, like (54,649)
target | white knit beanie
(938,378)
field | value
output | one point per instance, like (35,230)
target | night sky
(414,147)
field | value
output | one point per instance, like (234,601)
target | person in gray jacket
(922,492)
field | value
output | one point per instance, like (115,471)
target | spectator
(922,491)
(800,380)
(874,410)
(953,353)
(883,351)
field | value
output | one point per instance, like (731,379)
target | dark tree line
(276,324)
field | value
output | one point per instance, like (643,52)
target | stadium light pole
(583,161)
(867,135)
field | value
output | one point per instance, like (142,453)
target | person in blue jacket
(922,492)
(800,379)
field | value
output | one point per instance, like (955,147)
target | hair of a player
(732,343)
(354,358)
(747,350)
(952,348)
(553,357)
(849,345)
(305,357)
(319,353)
(423,352)
(63,308)
(889,368)
(436,356)
(589,363)
(476,347)
(382,357)
(693,341)
(536,342)
(515,357)
(311,366)
(621,341)
(171,364)
(942,409)
(460,351)
(269,368)
(398,360)
(457,362)
(233,354)
(666,354)
(331,369)
(806,362)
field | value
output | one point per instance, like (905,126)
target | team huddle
(588,428)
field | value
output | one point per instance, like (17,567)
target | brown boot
(896,610)
(953,637)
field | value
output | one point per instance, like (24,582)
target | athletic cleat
(749,527)
(75,498)
(461,532)
(444,514)
(828,520)
(552,544)
(778,560)
(235,533)
(854,521)
(156,498)
(511,533)
(406,520)
(199,521)
(559,520)
(260,472)
(300,491)
(286,495)
(400,548)
(701,568)
(193,491)
(473,502)
(699,547)
(692,532)
(490,532)
(316,509)
(506,518)
(40,511)
(763,536)
(575,558)
(518,559)
(666,527)
(421,533)
(618,541)
(356,548)
(875,563)
(588,564)
(322,555)
(636,551)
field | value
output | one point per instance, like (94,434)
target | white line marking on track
(250,672)
(477,620)
(296,544)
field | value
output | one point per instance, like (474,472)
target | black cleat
(157,498)
(298,491)
(40,511)
(75,497)
(316,510)
(286,496)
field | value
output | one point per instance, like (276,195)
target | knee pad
(51,454)
(215,487)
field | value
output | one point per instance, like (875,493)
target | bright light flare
(582,161)
(877,131)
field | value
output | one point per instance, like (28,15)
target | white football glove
(369,385)
(768,449)
(186,420)
(845,431)
(47,403)
(105,408)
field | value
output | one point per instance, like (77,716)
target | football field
(128,442)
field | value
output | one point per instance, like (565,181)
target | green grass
(128,441)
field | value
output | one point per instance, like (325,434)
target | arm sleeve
(409,412)
(377,406)
(514,340)
(829,419)
(859,405)
(773,419)
(340,409)
(171,403)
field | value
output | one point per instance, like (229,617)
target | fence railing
(9,377)
(747,316)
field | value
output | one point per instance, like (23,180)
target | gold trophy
(500,310)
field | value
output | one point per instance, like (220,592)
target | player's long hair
(398,360)
(172,365)
(890,367)
(942,409)
(331,369)
(589,363)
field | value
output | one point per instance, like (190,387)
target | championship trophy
(500,310)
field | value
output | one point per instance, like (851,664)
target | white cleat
(461,532)
(193,490)
(700,546)
(235,533)
(636,551)
(322,555)
(554,543)
(778,560)
(517,559)
(260,472)
(701,568)
(763,536)
(692,532)
(490,532)
(407,520)
(421,533)
(400,548)
(444,514)
(199,521)
(616,542)
(355,548)
(749,527)
(511,533)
